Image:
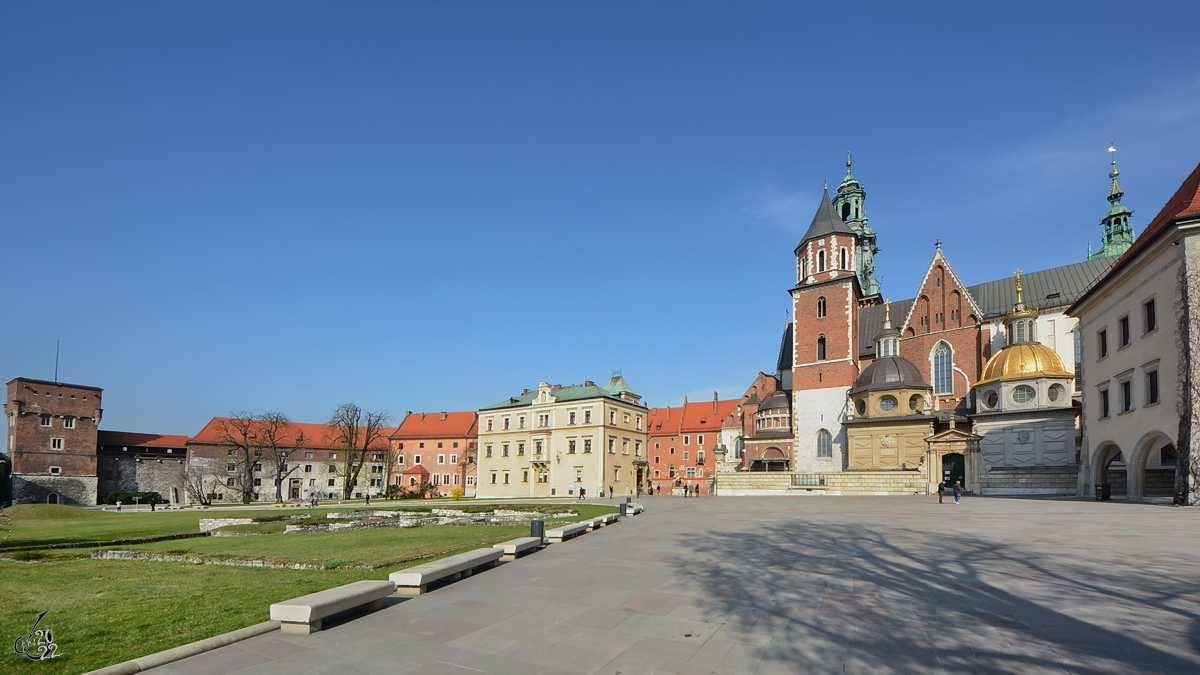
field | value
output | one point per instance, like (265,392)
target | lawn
(107,611)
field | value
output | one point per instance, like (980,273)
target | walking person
(582,492)
(941,490)
(957,491)
(118,506)
(368,499)
(610,492)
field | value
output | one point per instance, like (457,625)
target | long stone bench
(633,508)
(595,523)
(611,518)
(415,580)
(304,615)
(559,535)
(514,548)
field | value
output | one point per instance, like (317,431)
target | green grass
(109,611)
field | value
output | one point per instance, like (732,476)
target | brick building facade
(51,441)
(443,443)
(682,443)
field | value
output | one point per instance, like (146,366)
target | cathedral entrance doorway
(954,468)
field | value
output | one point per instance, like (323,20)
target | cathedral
(972,383)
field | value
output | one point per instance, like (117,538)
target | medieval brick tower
(834,261)
(52,441)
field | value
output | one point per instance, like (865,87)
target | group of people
(957,487)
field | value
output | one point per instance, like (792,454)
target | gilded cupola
(1023,356)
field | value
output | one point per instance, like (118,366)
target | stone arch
(52,498)
(1143,480)
(1108,454)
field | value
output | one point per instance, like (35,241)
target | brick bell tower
(825,305)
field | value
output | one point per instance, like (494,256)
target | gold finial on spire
(938,244)
(1020,301)
(849,161)
(825,184)
(887,312)
(1115,171)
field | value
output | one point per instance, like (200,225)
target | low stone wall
(133,554)
(876,483)
(207,524)
(361,525)
(1048,480)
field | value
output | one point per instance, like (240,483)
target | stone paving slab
(718,586)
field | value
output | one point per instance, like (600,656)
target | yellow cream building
(552,440)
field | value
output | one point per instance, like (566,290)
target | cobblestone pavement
(797,585)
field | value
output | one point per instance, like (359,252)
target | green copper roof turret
(1118,234)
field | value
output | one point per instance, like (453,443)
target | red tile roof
(690,417)
(1184,204)
(431,425)
(668,418)
(130,439)
(321,436)
(706,416)
(416,468)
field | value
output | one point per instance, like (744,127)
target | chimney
(556,387)
(524,391)
(422,417)
(407,413)
(588,383)
(443,417)
(714,403)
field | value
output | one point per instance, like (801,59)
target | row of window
(1125,393)
(844,259)
(690,472)
(48,421)
(699,456)
(416,459)
(543,420)
(421,445)
(1149,325)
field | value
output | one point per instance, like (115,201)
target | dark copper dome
(890,372)
(776,401)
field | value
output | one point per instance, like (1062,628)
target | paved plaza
(796,585)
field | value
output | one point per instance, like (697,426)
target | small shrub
(332,563)
(457,493)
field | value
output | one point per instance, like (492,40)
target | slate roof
(826,222)
(996,298)
(785,350)
(870,322)
(890,372)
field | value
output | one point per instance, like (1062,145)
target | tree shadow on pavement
(848,598)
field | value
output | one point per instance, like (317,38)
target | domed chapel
(972,383)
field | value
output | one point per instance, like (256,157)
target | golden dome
(1022,360)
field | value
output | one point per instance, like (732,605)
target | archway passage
(1157,465)
(52,499)
(954,468)
(1112,471)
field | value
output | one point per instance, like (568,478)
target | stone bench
(514,548)
(595,523)
(632,509)
(303,615)
(416,580)
(561,534)
(611,518)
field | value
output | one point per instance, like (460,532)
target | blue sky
(285,206)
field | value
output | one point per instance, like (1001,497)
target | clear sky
(286,206)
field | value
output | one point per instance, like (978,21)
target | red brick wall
(30,442)
(840,328)
(943,311)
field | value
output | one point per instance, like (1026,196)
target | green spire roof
(617,386)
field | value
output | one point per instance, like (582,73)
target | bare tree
(356,430)
(240,433)
(278,439)
(200,484)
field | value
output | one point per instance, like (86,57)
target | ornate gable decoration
(953,283)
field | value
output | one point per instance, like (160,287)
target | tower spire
(850,205)
(1117,235)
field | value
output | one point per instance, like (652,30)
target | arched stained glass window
(824,444)
(943,369)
